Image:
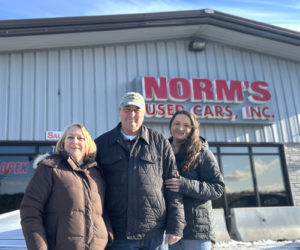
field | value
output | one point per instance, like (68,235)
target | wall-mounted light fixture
(196,45)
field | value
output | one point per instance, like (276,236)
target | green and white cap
(133,98)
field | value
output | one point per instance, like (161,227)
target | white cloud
(238,175)
(276,187)
(134,6)
(260,168)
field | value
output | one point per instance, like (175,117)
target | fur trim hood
(39,159)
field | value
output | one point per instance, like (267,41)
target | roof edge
(48,26)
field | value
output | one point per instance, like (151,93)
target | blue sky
(284,13)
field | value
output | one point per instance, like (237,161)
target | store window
(16,170)
(254,176)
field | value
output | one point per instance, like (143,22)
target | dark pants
(150,244)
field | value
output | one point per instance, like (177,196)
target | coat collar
(54,159)
(116,135)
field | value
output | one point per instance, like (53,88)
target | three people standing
(150,202)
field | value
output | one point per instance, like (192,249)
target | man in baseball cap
(136,161)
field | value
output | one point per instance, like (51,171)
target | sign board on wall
(53,135)
(217,101)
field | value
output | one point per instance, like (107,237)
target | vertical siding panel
(172,59)
(65,89)
(236,72)
(223,132)
(77,86)
(182,59)
(295,80)
(213,73)
(53,91)
(162,59)
(142,62)
(210,133)
(281,109)
(112,103)
(4,96)
(229,133)
(278,137)
(152,59)
(202,131)
(271,134)
(240,134)
(88,107)
(28,97)
(192,63)
(131,60)
(221,65)
(41,116)
(257,75)
(202,63)
(210,61)
(264,133)
(289,100)
(101,92)
(163,128)
(123,82)
(14,97)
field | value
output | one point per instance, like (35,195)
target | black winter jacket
(138,204)
(200,184)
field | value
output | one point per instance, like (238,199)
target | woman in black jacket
(199,181)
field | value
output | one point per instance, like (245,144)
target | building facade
(239,77)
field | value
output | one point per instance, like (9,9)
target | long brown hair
(192,145)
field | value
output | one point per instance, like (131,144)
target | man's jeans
(150,244)
(191,244)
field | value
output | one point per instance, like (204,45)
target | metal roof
(205,24)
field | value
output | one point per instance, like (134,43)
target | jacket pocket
(111,163)
(111,159)
(150,165)
(149,159)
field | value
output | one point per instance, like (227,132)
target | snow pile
(262,244)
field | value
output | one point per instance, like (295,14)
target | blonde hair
(90,146)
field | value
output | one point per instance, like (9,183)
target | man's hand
(171,239)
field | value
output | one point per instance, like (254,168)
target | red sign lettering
(218,93)
(14,167)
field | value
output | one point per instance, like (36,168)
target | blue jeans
(150,244)
(191,244)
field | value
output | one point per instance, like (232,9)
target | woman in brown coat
(63,204)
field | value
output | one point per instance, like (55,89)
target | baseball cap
(133,98)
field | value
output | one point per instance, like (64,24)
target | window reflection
(270,180)
(238,179)
(15,173)
(261,150)
(46,149)
(17,149)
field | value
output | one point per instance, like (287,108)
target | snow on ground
(263,244)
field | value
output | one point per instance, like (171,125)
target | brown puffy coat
(62,206)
